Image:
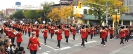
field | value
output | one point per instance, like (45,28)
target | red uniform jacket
(33,43)
(122,34)
(107,32)
(37,31)
(87,30)
(83,33)
(74,31)
(59,34)
(126,32)
(19,37)
(103,34)
(111,31)
(52,30)
(12,35)
(45,33)
(91,30)
(66,32)
(29,29)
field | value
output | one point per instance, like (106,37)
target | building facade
(128,3)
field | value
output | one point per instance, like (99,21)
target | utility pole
(106,12)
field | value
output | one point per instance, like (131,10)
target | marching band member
(19,38)
(111,32)
(37,31)
(74,32)
(83,35)
(87,33)
(29,30)
(126,34)
(52,31)
(45,34)
(92,31)
(103,35)
(12,35)
(106,28)
(58,32)
(122,35)
(33,44)
(67,33)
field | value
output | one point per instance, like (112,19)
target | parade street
(74,46)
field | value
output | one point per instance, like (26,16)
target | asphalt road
(66,48)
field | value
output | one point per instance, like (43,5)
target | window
(85,11)
(126,22)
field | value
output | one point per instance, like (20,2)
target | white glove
(8,49)
(39,47)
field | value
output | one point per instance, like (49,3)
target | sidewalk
(112,47)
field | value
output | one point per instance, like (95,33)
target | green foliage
(11,16)
(31,14)
(18,15)
(98,8)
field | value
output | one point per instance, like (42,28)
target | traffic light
(79,4)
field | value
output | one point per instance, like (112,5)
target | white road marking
(64,48)
(44,53)
(86,42)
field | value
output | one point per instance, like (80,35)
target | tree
(31,14)
(62,12)
(18,15)
(46,9)
(54,14)
(11,17)
(98,8)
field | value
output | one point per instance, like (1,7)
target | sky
(9,3)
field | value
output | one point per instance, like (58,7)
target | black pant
(111,36)
(52,35)
(106,38)
(67,38)
(83,43)
(91,36)
(103,41)
(122,40)
(18,44)
(59,43)
(33,51)
(73,36)
(127,38)
(45,38)
(12,40)
(29,33)
(86,38)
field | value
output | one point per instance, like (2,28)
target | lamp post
(116,22)
(106,12)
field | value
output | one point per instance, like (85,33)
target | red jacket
(37,31)
(122,34)
(83,34)
(87,30)
(91,31)
(59,34)
(45,33)
(66,32)
(19,37)
(103,34)
(29,29)
(111,31)
(33,43)
(12,35)
(52,30)
(126,32)
(74,31)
